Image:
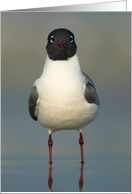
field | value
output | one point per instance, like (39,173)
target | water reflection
(36,175)
(50,180)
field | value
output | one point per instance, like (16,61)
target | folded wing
(33,103)
(90,90)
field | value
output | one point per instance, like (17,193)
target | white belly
(62,103)
(54,117)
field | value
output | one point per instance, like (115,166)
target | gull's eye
(52,39)
(71,38)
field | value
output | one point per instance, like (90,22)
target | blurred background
(104,51)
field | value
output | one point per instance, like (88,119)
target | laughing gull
(63,97)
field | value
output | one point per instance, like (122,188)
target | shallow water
(36,175)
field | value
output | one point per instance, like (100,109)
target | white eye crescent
(52,39)
(71,38)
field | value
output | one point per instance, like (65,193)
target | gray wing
(33,103)
(90,90)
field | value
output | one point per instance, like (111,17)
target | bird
(63,97)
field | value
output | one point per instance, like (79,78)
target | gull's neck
(71,63)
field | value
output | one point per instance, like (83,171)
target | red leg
(50,181)
(81,142)
(50,143)
(81,178)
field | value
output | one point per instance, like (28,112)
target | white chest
(61,82)
(62,103)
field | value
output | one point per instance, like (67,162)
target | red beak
(62,45)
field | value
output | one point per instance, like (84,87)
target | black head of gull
(61,44)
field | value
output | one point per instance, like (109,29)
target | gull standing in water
(63,97)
